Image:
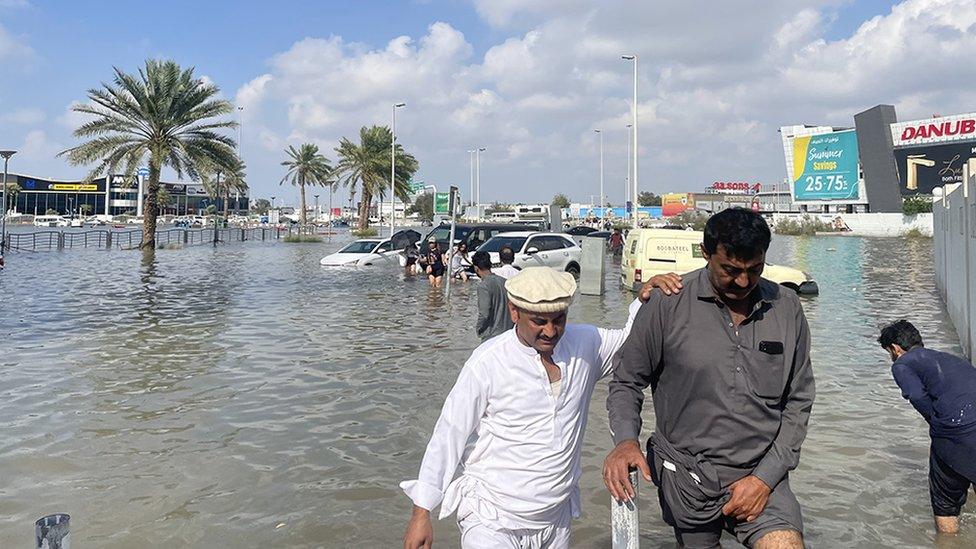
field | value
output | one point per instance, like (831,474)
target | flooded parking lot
(244,396)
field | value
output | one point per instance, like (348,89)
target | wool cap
(541,290)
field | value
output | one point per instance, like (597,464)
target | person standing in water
(942,387)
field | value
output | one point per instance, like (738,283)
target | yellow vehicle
(649,252)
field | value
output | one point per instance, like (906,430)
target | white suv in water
(534,249)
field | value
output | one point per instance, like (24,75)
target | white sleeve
(612,340)
(460,415)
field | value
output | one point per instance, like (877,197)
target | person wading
(514,422)
(727,359)
(942,387)
(507,257)
(433,260)
(493,316)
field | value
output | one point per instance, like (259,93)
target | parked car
(649,252)
(581,230)
(472,234)
(49,221)
(365,252)
(536,249)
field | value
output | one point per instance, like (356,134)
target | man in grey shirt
(727,360)
(493,316)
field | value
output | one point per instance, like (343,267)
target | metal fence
(44,241)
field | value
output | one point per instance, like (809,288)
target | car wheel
(573,269)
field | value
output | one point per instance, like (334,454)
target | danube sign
(958,127)
(825,166)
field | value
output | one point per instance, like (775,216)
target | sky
(528,81)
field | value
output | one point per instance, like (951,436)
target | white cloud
(25,117)
(716,80)
(13,48)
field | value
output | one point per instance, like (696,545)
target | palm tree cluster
(363,167)
(166,117)
(163,117)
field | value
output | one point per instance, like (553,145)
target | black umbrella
(406,237)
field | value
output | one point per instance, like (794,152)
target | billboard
(921,169)
(675,203)
(941,129)
(825,167)
(34,184)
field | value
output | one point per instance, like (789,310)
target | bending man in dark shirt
(727,360)
(942,388)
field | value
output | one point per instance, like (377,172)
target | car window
(568,242)
(383,247)
(495,244)
(359,247)
(633,246)
(547,243)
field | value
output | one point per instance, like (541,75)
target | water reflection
(248,387)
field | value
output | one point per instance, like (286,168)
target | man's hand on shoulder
(616,469)
(749,497)
(669,283)
(420,533)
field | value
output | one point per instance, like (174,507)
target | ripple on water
(249,388)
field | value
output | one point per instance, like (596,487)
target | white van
(49,221)
(649,252)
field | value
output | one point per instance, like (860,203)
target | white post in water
(624,521)
(52,532)
(452,197)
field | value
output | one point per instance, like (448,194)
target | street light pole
(477,163)
(318,212)
(471,160)
(636,146)
(3,214)
(630,136)
(393,171)
(602,203)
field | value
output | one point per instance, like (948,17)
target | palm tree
(13,190)
(220,181)
(306,166)
(164,116)
(368,166)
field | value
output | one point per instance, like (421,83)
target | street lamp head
(628,57)
(397,105)
(483,149)
(7,154)
(240,107)
(630,125)
(598,131)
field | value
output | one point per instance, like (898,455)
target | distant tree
(86,209)
(560,200)
(261,206)
(366,166)
(648,199)
(496,207)
(916,205)
(306,166)
(52,211)
(13,190)
(424,206)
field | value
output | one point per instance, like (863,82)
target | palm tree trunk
(226,200)
(301,191)
(150,209)
(366,198)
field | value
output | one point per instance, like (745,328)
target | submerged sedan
(365,252)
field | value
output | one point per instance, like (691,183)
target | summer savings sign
(825,166)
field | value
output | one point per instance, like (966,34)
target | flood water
(247,397)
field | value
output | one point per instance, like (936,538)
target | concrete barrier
(592,265)
(954,247)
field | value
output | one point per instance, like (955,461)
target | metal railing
(44,241)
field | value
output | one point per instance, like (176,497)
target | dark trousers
(952,471)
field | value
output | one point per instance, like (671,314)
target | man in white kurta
(513,424)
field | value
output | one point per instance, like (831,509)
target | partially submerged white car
(365,252)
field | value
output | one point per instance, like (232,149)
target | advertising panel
(33,184)
(942,129)
(825,167)
(921,169)
(675,203)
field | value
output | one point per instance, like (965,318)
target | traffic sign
(143,172)
(442,203)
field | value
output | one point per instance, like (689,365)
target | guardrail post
(61,240)
(53,532)
(108,240)
(624,523)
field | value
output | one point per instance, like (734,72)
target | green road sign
(442,203)
(416,186)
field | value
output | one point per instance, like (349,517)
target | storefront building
(37,196)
